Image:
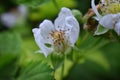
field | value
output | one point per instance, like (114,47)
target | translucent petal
(46,28)
(108,21)
(72,23)
(95,9)
(41,42)
(60,20)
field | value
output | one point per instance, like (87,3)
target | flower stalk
(62,69)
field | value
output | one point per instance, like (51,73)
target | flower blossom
(110,18)
(60,36)
(18,16)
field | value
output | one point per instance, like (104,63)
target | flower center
(60,42)
(110,7)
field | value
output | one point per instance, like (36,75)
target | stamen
(60,42)
(110,6)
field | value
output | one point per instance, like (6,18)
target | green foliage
(98,58)
(112,53)
(6,59)
(8,67)
(100,30)
(32,3)
(93,57)
(36,71)
(28,53)
(10,43)
(57,60)
(91,52)
(50,10)
(10,47)
(92,42)
(77,14)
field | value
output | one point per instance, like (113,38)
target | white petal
(41,42)
(46,28)
(117,27)
(60,20)
(73,25)
(95,9)
(108,21)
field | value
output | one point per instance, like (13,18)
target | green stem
(62,69)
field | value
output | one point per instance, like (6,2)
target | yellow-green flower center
(60,42)
(110,7)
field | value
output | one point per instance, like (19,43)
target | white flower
(110,21)
(60,35)
(10,19)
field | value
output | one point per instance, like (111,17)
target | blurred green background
(98,58)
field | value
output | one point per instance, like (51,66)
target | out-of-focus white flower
(60,35)
(22,10)
(111,18)
(10,19)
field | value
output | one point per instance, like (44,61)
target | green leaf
(77,14)
(6,59)
(32,3)
(10,46)
(98,57)
(91,42)
(36,71)
(29,53)
(8,67)
(10,43)
(100,30)
(55,3)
